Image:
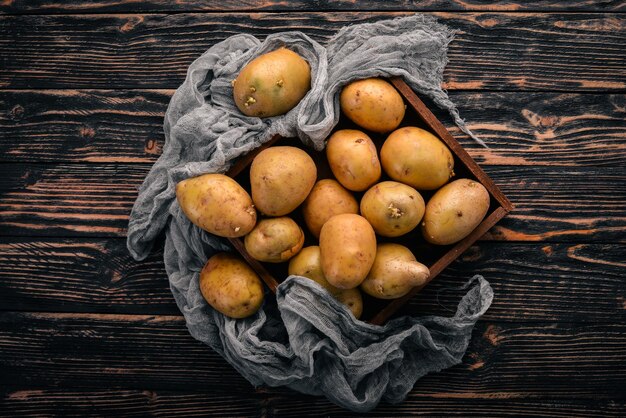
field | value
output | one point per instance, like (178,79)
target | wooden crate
(436,257)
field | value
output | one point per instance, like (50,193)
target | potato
(307,263)
(217,204)
(327,199)
(392,208)
(352,299)
(230,286)
(455,211)
(280,179)
(373,104)
(272,84)
(394,273)
(418,158)
(274,240)
(353,159)
(347,250)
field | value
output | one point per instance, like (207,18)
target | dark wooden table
(84,329)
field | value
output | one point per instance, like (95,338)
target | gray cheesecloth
(304,339)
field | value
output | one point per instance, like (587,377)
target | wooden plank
(78,275)
(73,199)
(126,6)
(82,125)
(16,402)
(493,51)
(99,276)
(535,282)
(543,128)
(469,406)
(521,128)
(134,403)
(579,204)
(131,403)
(156,352)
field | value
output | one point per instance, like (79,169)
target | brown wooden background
(83,89)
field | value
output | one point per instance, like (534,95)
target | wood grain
(82,125)
(136,403)
(125,6)
(18,402)
(68,199)
(583,283)
(87,331)
(468,406)
(521,128)
(78,275)
(579,204)
(493,51)
(535,282)
(156,352)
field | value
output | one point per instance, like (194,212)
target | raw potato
(348,248)
(394,273)
(280,179)
(230,286)
(307,263)
(327,199)
(217,204)
(353,159)
(418,158)
(392,208)
(455,211)
(352,299)
(274,240)
(373,104)
(272,84)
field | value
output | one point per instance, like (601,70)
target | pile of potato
(283,179)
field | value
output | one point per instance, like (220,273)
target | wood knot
(131,24)
(151,146)
(473,253)
(492,335)
(17,113)
(87,132)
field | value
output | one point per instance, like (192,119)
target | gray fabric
(303,339)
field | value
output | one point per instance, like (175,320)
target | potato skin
(392,208)
(280,179)
(353,159)
(217,204)
(274,240)
(347,248)
(352,299)
(373,104)
(230,286)
(307,263)
(455,211)
(394,273)
(418,158)
(327,199)
(272,84)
